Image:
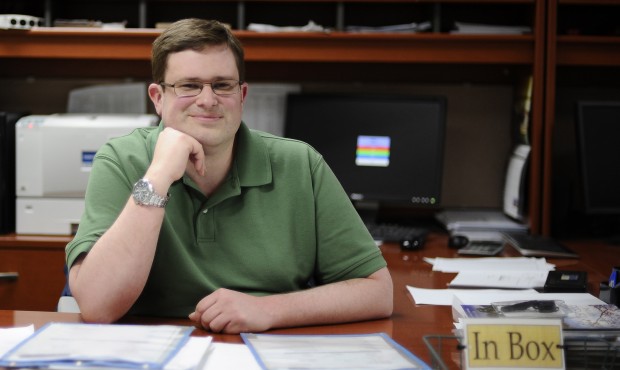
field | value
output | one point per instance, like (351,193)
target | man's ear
(244,92)
(156,93)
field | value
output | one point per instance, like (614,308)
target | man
(241,230)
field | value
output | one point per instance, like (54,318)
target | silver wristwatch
(144,194)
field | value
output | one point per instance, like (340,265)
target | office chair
(66,302)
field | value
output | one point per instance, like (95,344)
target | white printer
(54,155)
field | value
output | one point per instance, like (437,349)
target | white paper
(500,279)
(310,27)
(193,355)
(490,263)
(444,297)
(10,337)
(226,356)
(407,27)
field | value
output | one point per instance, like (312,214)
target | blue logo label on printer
(87,158)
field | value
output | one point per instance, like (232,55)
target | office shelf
(587,33)
(588,51)
(135,44)
(334,14)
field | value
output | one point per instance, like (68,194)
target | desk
(410,322)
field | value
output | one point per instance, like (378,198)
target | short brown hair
(195,34)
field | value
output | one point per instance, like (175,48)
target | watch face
(142,192)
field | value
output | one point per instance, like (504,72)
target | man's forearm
(351,300)
(108,280)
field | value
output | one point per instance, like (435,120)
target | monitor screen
(383,148)
(598,132)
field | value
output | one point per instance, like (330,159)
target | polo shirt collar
(252,158)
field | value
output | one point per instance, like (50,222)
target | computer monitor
(386,150)
(598,131)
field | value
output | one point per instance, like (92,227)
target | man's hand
(175,153)
(231,312)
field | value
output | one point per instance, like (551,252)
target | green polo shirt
(281,222)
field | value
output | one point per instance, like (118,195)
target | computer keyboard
(388,232)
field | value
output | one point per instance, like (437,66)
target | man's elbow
(94,313)
(385,300)
(97,308)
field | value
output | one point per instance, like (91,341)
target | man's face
(212,119)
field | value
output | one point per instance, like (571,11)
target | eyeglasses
(193,88)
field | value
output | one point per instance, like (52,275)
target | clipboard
(71,345)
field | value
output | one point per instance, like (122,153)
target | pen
(613,279)
(540,306)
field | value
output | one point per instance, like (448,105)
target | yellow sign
(513,344)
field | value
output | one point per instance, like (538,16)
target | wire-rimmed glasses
(193,88)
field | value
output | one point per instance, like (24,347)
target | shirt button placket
(205,227)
